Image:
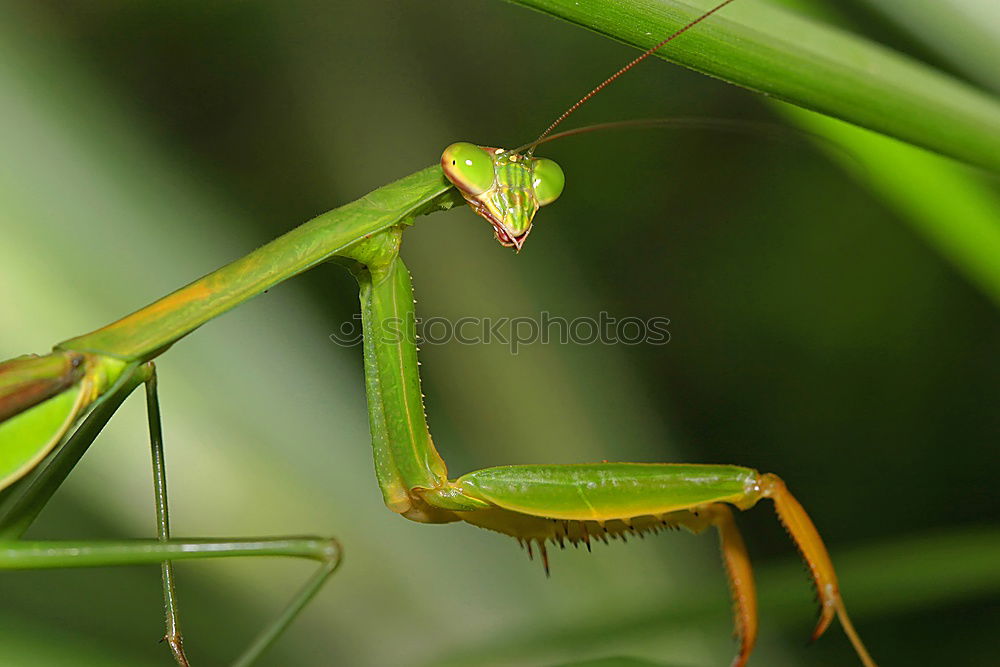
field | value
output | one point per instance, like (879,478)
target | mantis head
(507,186)
(504,187)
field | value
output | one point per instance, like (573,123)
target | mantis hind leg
(173,636)
(37,555)
(20,505)
(327,551)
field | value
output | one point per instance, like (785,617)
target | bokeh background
(814,334)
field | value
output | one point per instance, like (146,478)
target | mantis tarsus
(53,407)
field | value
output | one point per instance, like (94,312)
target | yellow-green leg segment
(577,503)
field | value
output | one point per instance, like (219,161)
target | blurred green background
(814,334)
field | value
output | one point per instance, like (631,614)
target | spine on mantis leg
(406,461)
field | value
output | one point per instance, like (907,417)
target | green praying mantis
(52,408)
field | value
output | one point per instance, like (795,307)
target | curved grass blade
(812,65)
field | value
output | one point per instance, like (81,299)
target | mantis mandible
(52,408)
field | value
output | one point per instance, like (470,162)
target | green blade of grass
(953,209)
(812,65)
(964,32)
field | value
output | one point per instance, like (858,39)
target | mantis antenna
(507,188)
(604,84)
(733,125)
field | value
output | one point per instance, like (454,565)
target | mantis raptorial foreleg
(554,504)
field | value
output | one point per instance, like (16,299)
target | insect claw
(176,643)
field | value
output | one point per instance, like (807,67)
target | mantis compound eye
(468,167)
(547,179)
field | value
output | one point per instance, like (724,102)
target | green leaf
(966,33)
(807,63)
